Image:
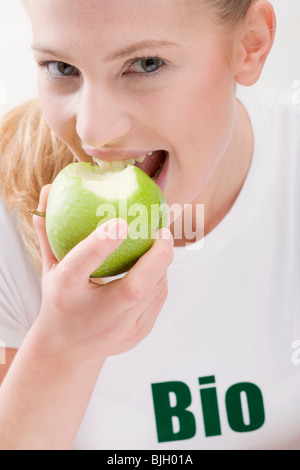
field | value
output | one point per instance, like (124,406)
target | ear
(256,39)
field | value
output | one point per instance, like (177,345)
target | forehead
(67,20)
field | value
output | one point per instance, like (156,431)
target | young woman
(191,349)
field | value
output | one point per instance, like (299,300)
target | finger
(78,265)
(147,320)
(141,279)
(39,222)
(136,313)
(139,320)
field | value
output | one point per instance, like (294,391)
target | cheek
(57,112)
(200,114)
(198,117)
(196,108)
(212,118)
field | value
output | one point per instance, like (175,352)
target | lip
(114,155)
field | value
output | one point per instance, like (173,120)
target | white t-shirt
(221,368)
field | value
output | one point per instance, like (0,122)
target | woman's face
(133,77)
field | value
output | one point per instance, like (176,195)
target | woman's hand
(46,391)
(109,318)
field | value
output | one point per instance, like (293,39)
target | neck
(224,186)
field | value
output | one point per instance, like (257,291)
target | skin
(188,109)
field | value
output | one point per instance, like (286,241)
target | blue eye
(145,65)
(59,69)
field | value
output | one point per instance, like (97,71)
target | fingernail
(41,196)
(115,229)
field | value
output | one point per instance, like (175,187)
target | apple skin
(74,211)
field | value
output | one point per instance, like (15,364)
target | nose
(101,119)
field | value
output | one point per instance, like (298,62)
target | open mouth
(152,163)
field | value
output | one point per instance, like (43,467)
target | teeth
(118,165)
(141,159)
(106,166)
(131,161)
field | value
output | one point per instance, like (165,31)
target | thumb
(39,222)
(91,252)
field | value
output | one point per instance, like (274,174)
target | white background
(17,68)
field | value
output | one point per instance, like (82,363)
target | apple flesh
(82,197)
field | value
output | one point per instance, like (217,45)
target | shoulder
(13,252)
(277,102)
(277,111)
(275,117)
(20,285)
(271,97)
(10,240)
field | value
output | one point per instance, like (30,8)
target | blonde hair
(31,155)
(230,12)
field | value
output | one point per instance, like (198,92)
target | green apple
(82,197)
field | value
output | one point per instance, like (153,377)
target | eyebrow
(145,44)
(120,54)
